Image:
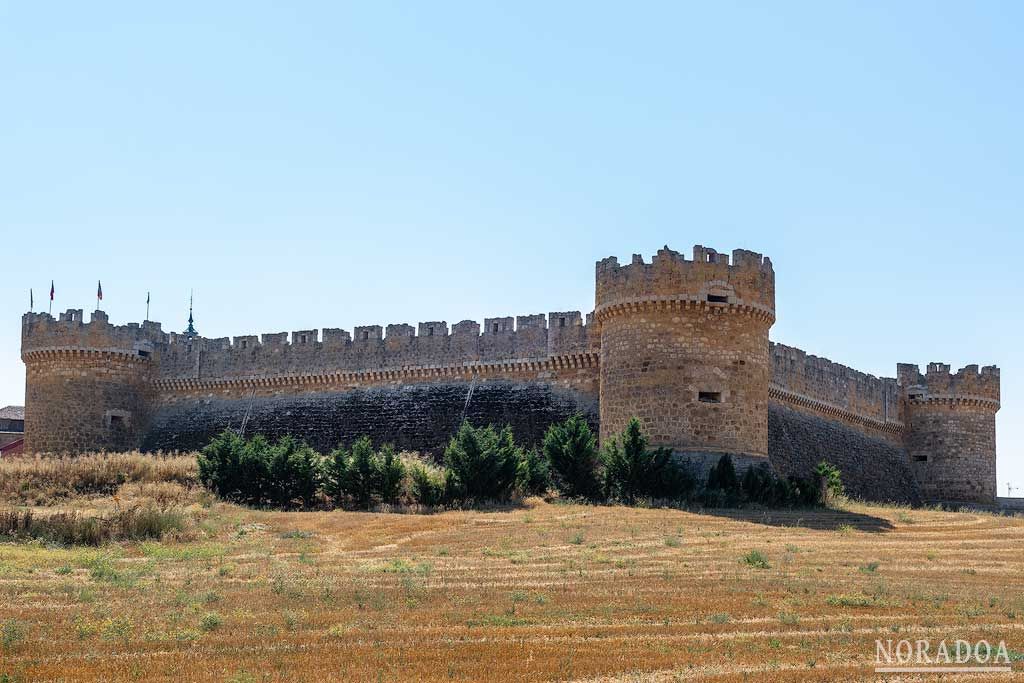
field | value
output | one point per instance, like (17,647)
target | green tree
(390,475)
(334,474)
(219,464)
(482,463)
(363,473)
(533,475)
(632,470)
(571,449)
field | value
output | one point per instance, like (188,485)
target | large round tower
(88,386)
(950,430)
(684,348)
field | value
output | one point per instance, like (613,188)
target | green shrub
(723,487)
(426,487)
(362,476)
(254,472)
(219,467)
(633,471)
(482,463)
(533,474)
(362,473)
(211,621)
(571,449)
(334,474)
(391,475)
(756,559)
(292,469)
(830,481)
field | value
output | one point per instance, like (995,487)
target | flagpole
(147,305)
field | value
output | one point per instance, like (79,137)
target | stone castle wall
(368,349)
(684,348)
(820,387)
(682,344)
(951,437)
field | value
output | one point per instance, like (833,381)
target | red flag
(51,290)
(99,290)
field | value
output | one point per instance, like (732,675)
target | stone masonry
(681,343)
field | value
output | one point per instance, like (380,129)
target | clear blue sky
(333,165)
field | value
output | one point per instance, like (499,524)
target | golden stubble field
(539,592)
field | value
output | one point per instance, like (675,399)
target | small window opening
(495,330)
(144,354)
(366,335)
(718,299)
(709,396)
(245,343)
(646,366)
(561,322)
(430,331)
(915,397)
(920,458)
(303,339)
(116,421)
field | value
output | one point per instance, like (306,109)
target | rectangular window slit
(718,299)
(709,396)
(920,458)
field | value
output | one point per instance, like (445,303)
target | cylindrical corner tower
(88,386)
(951,431)
(684,348)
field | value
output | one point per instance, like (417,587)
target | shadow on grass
(819,519)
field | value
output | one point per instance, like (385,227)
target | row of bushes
(73,528)
(483,464)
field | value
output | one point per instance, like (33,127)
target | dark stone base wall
(419,417)
(872,468)
(423,417)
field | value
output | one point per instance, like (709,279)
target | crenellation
(248,342)
(671,279)
(335,338)
(806,377)
(940,383)
(437,328)
(274,339)
(367,333)
(306,338)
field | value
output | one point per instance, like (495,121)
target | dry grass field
(544,591)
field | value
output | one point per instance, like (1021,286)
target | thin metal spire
(190,331)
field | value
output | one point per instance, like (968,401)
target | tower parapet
(88,386)
(951,430)
(684,348)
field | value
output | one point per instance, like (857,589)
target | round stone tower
(684,348)
(950,430)
(88,386)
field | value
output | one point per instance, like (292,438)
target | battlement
(373,347)
(940,383)
(801,377)
(748,282)
(41,332)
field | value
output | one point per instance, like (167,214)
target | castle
(680,343)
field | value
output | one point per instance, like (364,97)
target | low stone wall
(419,417)
(872,468)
